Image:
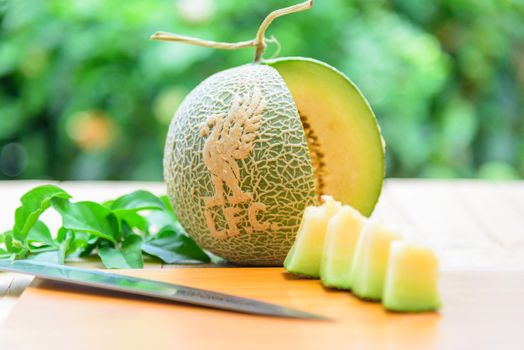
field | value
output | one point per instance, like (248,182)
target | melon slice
(371,258)
(345,145)
(305,255)
(341,241)
(411,279)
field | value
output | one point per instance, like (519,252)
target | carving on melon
(229,139)
(277,170)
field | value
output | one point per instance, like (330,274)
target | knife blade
(151,288)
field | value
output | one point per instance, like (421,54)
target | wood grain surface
(473,225)
(483,310)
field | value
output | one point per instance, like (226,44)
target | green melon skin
(411,279)
(305,256)
(342,236)
(277,171)
(315,135)
(370,263)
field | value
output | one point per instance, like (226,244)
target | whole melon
(250,147)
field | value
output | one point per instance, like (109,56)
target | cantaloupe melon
(305,256)
(250,147)
(411,279)
(371,260)
(341,241)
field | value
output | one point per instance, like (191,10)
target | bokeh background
(85,95)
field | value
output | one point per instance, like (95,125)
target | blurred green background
(85,95)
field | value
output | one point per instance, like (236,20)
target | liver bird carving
(230,138)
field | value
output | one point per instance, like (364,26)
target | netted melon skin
(274,170)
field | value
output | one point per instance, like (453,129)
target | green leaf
(108,203)
(41,249)
(128,256)
(126,208)
(77,246)
(89,248)
(171,247)
(83,236)
(113,230)
(34,203)
(136,201)
(65,245)
(88,217)
(14,246)
(133,220)
(167,204)
(90,244)
(160,220)
(61,235)
(39,233)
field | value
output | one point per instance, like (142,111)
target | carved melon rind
(276,172)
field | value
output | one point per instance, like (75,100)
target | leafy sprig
(120,231)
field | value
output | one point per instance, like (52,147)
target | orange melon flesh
(343,135)
(305,256)
(411,279)
(342,236)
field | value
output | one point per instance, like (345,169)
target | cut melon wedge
(371,259)
(344,140)
(411,279)
(341,241)
(305,256)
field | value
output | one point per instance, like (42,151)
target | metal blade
(150,288)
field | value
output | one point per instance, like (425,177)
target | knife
(151,288)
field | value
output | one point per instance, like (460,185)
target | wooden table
(473,225)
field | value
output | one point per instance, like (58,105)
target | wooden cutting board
(481,310)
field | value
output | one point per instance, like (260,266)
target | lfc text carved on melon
(231,138)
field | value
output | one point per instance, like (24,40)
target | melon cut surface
(371,259)
(341,241)
(305,256)
(411,279)
(346,147)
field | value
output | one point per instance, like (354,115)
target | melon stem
(259,42)
(164,36)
